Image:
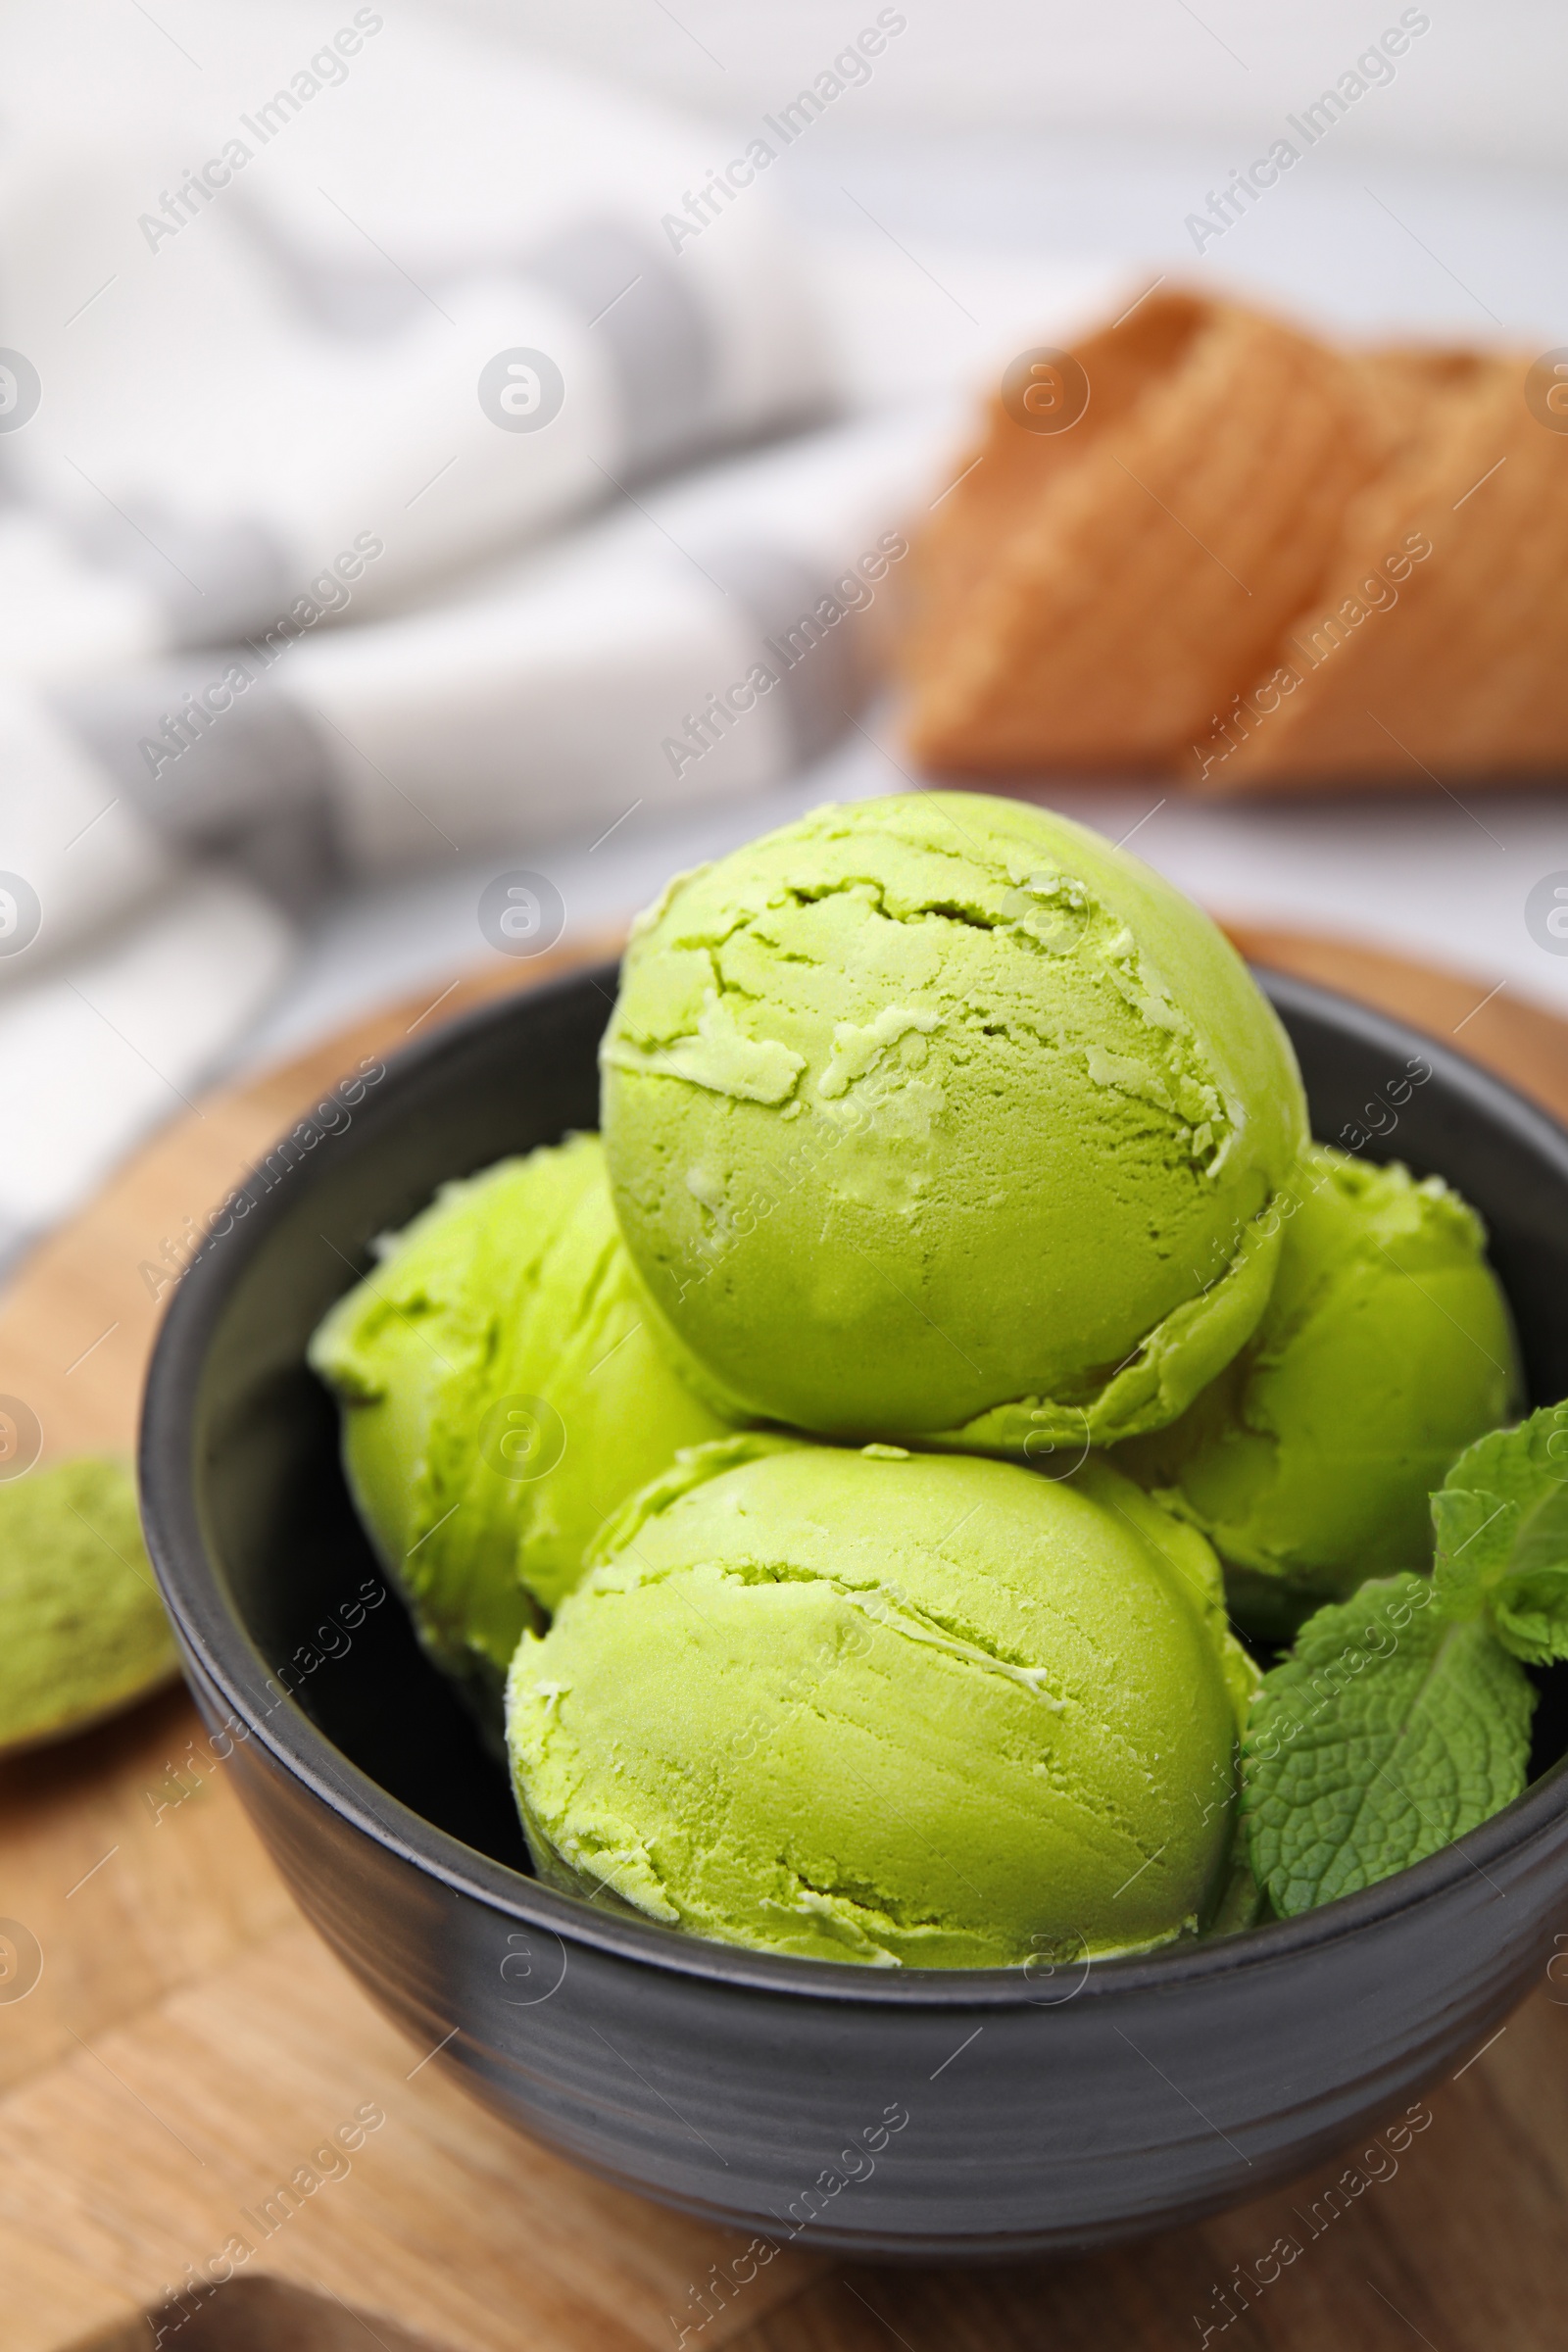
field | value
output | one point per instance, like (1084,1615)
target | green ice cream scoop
(82,1631)
(937,1116)
(502,1392)
(1386,1348)
(920,1709)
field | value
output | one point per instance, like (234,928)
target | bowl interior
(278,1523)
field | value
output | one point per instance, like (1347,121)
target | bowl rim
(218,1645)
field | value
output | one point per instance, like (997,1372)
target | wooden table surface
(175,2044)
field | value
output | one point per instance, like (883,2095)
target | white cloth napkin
(362,340)
(707,642)
(704,647)
(302,581)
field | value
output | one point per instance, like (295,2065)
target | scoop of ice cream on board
(82,1631)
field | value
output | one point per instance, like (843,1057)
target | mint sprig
(1402,1717)
(1501,1521)
(1391,1729)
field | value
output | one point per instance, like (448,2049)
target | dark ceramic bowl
(980,2113)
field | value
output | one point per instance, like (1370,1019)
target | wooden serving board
(175,2045)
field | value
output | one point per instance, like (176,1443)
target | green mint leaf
(1388,1732)
(1501,1521)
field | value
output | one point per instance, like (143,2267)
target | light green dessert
(501,1393)
(82,1629)
(919,1709)
(939,1117)
(1386,1348)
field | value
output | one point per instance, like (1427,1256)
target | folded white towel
(263,415)
(708,641)
(236,370)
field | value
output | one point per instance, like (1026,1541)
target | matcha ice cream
(1385,1350)
(930,1710)
(939,1117)
(502,1392)
(82,1631)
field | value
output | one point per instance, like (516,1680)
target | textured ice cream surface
(923,1709)
(82,1629)
(502,1392)
(939,1117)
(1386,1348)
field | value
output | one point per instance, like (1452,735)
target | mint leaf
(1501,1521)
(1388,1732)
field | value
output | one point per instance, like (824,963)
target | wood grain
(189,2045)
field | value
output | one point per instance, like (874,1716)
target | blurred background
(413,419)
